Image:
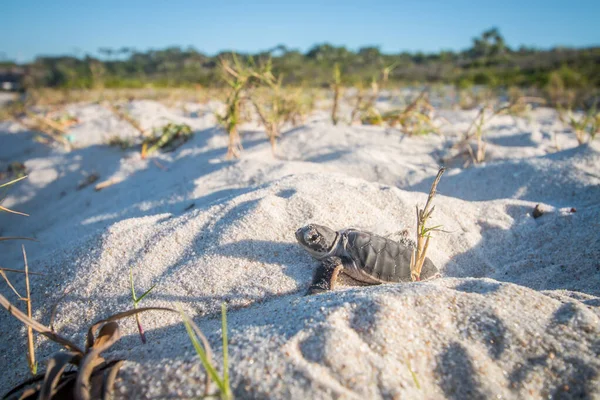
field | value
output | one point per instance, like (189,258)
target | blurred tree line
(489,61)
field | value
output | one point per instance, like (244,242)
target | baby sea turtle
(364,256)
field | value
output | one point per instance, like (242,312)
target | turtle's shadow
(285,254)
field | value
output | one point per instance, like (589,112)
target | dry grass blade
(108,335)
(416,101)
(49,127)
(423,232)
(16,238)
(126,117)
(54,371)
(336,86)
(24,384)
(12,182)
(8,210)
(44,330)
(20,271)
(3,275)
(107,183)
(121,315)
(30,344)
(225,351)
(95,376)
(109,380)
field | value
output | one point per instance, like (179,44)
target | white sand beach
(515,314)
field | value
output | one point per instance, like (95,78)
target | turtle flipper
(326,275)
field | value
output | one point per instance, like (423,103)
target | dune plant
(336,86)
(117,141)
(415,118)
(385,74)
(20,112)
(586,126)
(204,352)
(167,138)
(477,130)
(136,301)
(364,101)
(237,77)
(364,107)
(275,108)
(424,231)
(90,375)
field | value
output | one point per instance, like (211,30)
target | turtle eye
(311,236)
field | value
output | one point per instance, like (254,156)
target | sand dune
(516,313)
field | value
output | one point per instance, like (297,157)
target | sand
(516,313)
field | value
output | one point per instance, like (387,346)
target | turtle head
(318,240)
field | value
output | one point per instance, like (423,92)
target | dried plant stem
(337,92)
(3,275)
(107,183)
(237,78)
(16,238)
(54,130)
(15,312)
(126,117)
(48,122)
(30,343)
(8,210)
(409,108)
(423,232)
(270,126)
(476,129)
(234,147)
(19,271)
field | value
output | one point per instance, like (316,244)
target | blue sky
(31,28)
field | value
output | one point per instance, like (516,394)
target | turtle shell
(382,259)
